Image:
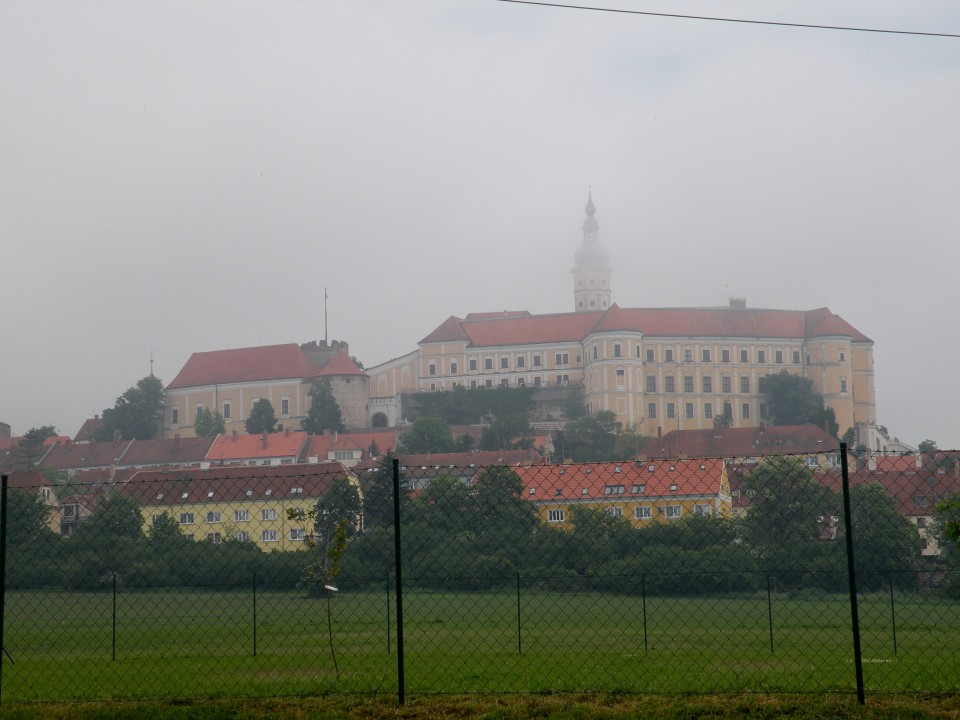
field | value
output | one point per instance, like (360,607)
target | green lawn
(203,644)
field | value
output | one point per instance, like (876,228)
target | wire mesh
(685,575)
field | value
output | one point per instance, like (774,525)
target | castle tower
(591,274)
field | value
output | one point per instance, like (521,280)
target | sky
(185,176)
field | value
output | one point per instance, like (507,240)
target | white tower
(591,275)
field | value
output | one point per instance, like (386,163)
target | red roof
(174,451)
(321,445)
(269,362)
(340,364)
(742,442)
(484,458)
(75,456)
(249,447)
(88,429)
(493,329)
(654,478)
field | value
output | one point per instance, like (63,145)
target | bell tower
(591,273)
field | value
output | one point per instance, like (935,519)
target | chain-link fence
(661,576)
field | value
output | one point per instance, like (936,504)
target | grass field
(208,644)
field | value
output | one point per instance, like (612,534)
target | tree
(427,435)
(27,515)
(928,446)
(262,418)
(106,543)
(885,543)
(324,413)
(378,494)
(849,436)
(507,433)
(590,439)
(136,415)
(792,401)
(30,448)
(208,424)
(825,418)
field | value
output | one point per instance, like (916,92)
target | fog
(181,176)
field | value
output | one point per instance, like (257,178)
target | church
(658,369)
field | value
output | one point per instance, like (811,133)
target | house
(238,503)
(641,492)
(353,447)
(283,448)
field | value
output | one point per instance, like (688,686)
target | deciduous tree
(208,424)
(136,415)
(262,418)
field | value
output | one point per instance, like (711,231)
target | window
(227,410)
(744,355)
(702,510)
(671,411)
(668,380)
(521,361)
(614,511)
(174,416)
(285,406)
(213,516)
(811,461)
(432,369)
(186,518)
(688,383)
(555,516)
(69,510)
(672,511)
(453,367)
(269,535)
(778,356)
(764,415)
(687,355)
(745,411)
(504,382)
(744,383)
(268,514)
(616,350)
(725,384)
(796,357)
(669,355)
(649,354)
(563,379)
(343,454)
(651,383)
(536,361)
(197,412)
(706,354)
(215,538)
(433,386)
(688,411)
(843,356)
(843,385)
(488,383)
(707,384)
(921,522)
(761,356)
(638,489)
(708,411)
(241,535)
(651,411)
(562,359)
(727,410)
(241,515)
(642,513)
(297,533)
(613,489)
(725,355)
(537,380)
(504,363)
(595,352)
(488,363)
(473,363)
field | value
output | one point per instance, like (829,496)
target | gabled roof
(479,458)
(88,429)
(653,479)
(498,329)
(251,447)
(280,482)
(78,456)
(322,445)
(742,442)
(173,451)
(340,364)
(269,362)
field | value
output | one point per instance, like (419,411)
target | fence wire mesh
(654,575)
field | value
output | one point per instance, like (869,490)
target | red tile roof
(87,430)
(340,364)
(321,445)
(654,478)
(250,447)
(741,442)
(173,451)
(270,362)
(493,329)
(76,456)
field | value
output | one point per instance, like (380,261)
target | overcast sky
(187,176)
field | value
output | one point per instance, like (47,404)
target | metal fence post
(893,616)
(399,578)
(113,622)
(770,612)
(643,592)
(852,575)
(254,591)
(3,568)
(519,636)
(388,613)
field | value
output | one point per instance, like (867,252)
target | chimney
(738,303)
(234,435)
(659,431)
(286,432)
(176,443)
(263,440)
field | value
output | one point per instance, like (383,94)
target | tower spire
(591,272)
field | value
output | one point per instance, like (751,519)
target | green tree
(503,518)
(27,515)
(136,415)
(928,446)
(30,448)
(107,541)
(324,413)
(508,433)
(885,544)
(208,424)
(791,400)
(590,439)
(262,418)
(849,437)
(378,494)
(825,418)
(427,435)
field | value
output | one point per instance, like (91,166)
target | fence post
(388,613)
(399,578)
(519,636)
(3,567)
(770,612)
(852,575)
(254,593)
(893,616)
(643,592)
(113,623)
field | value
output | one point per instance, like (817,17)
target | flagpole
(325,338)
